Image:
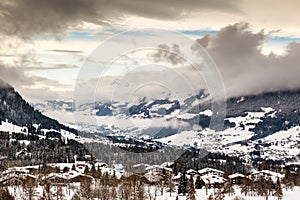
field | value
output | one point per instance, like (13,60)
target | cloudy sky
(44,43)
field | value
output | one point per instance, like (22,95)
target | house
(267,174)
(100,165)
(213,181)
(155,173)
(140,168)
(16,179)
(237,178)
(157,169)
(54,179)
(192,172)
(81,178)
(210,171)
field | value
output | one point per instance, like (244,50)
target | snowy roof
(191,171)
(158,167)
(100,164)
(165,164)
(141,165)
(236,175)
(206,170)
(272,173)
(118,166)
(212,179)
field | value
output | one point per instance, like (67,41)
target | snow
(186,116)
(156,107)
(241,100)
(210,177)
(236,175)
(9,127)
(180,139)
(207,113)
(210,171)
(267,109)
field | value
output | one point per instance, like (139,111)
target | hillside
(15,109)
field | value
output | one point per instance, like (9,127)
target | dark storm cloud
(245,69)
(28,17)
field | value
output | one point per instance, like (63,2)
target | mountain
(28,137)
(15,109)
(256,127)
(262,126)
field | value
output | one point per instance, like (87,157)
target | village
(97,180)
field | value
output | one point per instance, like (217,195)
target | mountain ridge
(16,110)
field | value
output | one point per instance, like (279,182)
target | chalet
(100,165)
(267,174)
(54,179)
(157,169)
(140,168)
(81,178)
(210,171)
(237,178)
(81,165)
(88,157)
(16,179)
(136,177)
(212,180)
(192,172)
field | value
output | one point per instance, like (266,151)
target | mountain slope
(17,111)
(28,137)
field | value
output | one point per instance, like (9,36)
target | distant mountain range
(285,107)
(264,125)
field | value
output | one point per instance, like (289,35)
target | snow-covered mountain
(264,126)
(29,137)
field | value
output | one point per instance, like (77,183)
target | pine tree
(288,180)
(190,189)
(199,183)
(246,186)
(169,183)
(262,187)
(228,188)
(141,191)
(73,167)
(182,184)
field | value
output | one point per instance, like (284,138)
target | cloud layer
(33,88)
(30,17)
(244,68)
(236,50)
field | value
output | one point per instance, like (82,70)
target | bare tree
(29,186)
(190,188)
(278,190)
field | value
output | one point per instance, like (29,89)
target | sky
(45,44)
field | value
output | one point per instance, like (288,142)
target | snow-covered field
(69,191)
